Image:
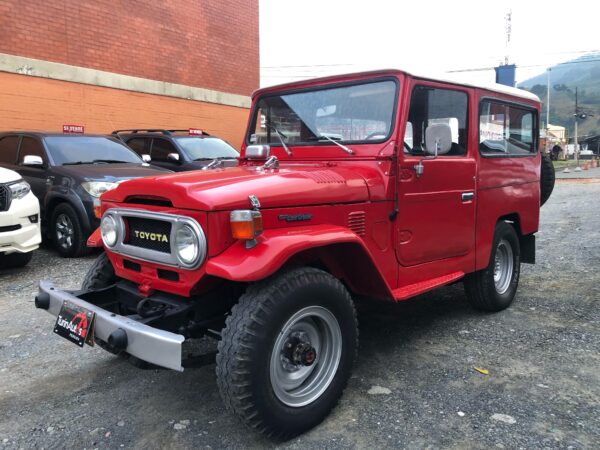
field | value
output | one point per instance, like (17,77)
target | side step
(411,290)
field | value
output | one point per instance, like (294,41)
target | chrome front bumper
(149,344)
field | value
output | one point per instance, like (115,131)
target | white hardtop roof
(494,87)
(501,88)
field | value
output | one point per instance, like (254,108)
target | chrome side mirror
(32,160)
(258,151)
(173,156)
(146,157)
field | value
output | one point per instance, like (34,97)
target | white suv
(19,220)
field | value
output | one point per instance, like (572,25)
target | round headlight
(109,230)
(187,245)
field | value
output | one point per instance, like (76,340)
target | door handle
(467,196)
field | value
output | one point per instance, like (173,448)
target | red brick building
(135,63)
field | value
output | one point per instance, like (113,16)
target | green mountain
(583,73)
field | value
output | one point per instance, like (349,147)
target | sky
(311,38)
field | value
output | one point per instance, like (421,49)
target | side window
(30,146)
(161,149)
(8,149)
(440,116)
(139,145)
(506,130)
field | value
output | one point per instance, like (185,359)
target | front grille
(5,197)
(149,234)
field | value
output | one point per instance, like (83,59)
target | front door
(436,218)
(35,175)
(162,154)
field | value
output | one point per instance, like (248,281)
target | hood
(229,188)
(8,176)
(110,172)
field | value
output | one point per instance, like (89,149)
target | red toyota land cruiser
(381,185)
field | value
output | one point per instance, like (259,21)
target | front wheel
(286,352)
(67,232)
(494,288)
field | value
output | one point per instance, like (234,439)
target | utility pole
(508,30)
(577,169)
(548,112)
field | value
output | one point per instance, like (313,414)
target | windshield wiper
(330,139)
(218,158)
(76,163)
(280,135)
(109,161)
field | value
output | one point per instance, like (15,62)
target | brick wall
(211,44)
(32,103)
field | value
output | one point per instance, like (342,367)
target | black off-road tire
(480,286)
(78,245)
(248,339)
(101,274)
(14,259)
(547,179)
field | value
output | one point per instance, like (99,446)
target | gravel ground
(414,383)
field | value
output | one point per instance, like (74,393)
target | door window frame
(415,83)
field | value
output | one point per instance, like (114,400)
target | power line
(307,65)
(481,69)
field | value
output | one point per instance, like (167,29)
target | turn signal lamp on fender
(246,224)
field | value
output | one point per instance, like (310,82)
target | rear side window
(139,145)
(440,108)
(8,149)
(506,130)
(30,147)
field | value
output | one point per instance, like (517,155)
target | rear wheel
(67,232)
(494,288)
(14,259)
(286,352)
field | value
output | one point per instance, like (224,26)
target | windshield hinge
(214,164)
(271,163)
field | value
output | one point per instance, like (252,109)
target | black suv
(67,173)
(180,150)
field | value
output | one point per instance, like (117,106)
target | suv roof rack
(196,132)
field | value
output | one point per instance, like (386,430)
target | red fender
(95,239)
(274,248)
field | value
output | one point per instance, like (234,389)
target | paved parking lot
(414,384)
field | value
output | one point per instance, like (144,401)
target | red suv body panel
(373,222)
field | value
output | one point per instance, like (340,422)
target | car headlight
(19,189)
(187,245)
(97,188)
(109,230)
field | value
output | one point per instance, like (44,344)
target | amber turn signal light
(246,224)
(97,208)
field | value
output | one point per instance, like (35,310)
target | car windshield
(206,148)
(88,149)
(352,114)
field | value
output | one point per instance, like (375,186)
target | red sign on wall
(77,129)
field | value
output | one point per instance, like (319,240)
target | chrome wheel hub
(305,356)
(503,266)
(65,231)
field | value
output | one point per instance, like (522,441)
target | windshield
(352,114)
(88,149)
(206,148)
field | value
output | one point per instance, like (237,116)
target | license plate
(75,324)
